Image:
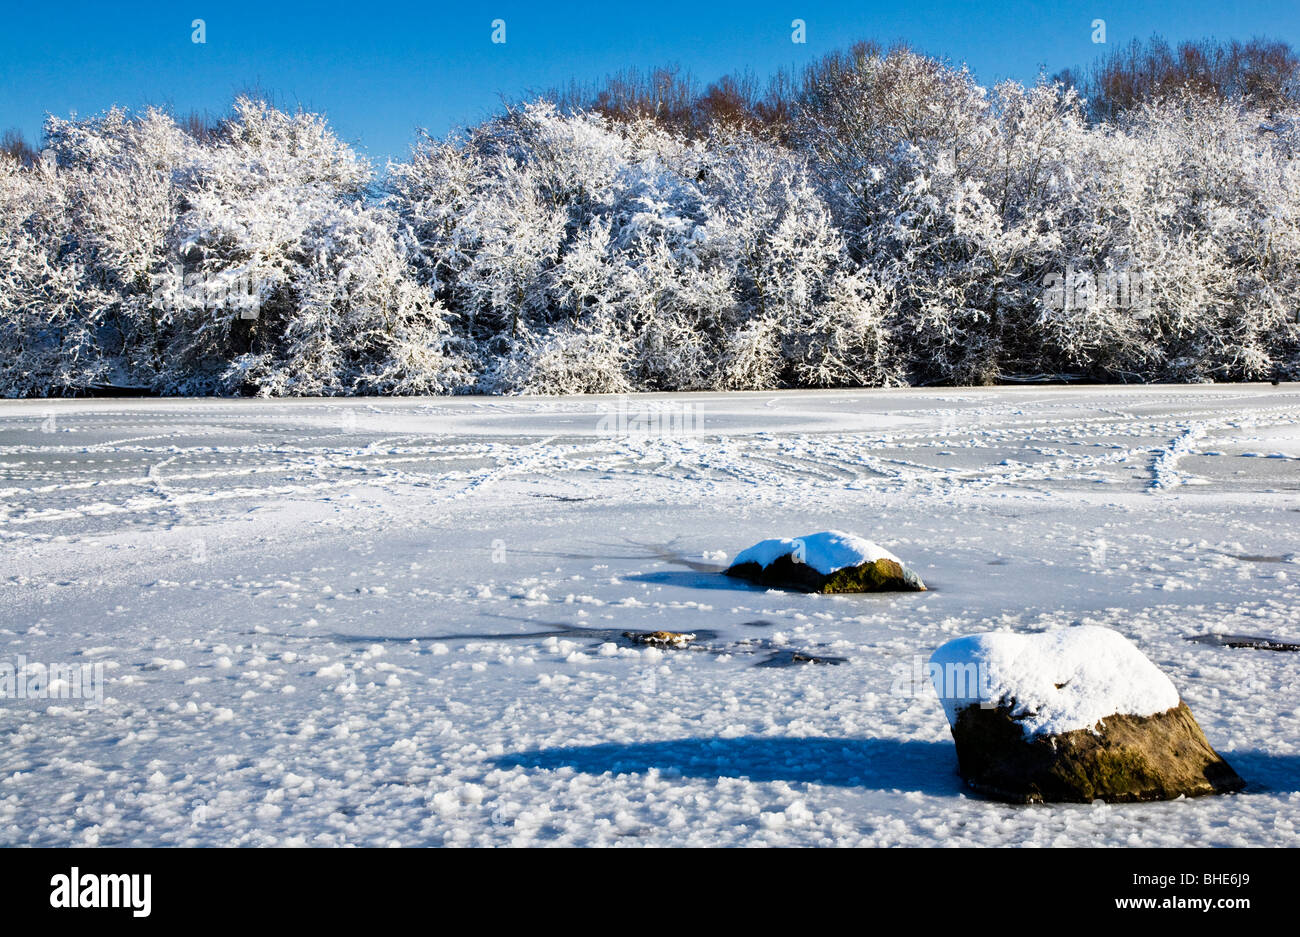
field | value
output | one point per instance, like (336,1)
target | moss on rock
(1123,759)
(882,575)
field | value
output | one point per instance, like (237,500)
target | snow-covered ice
(1056,681)
(327,622)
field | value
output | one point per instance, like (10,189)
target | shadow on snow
(882,764)
(878,764)
(1264,771)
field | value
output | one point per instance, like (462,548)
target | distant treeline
(1261,74)
(876,219)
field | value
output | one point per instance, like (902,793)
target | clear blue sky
(381,70)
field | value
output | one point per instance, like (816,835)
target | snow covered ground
(400,621)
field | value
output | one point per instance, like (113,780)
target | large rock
(831,561)
(1076,715)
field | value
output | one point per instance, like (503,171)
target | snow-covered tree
(905,225)
(253,262)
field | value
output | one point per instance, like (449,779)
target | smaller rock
(671,640)
(791,658)
(1253,642)
(827,562)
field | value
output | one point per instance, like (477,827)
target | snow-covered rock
(825,552)
(830,561)
(1078,714)
(1058,680)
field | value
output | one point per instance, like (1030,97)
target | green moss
(883,575)
(1109,774)
(1126,759)
(879,576)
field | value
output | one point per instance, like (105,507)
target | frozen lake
(400,620)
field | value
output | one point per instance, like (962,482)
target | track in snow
(364,621)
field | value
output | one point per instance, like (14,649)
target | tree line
(878,219)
